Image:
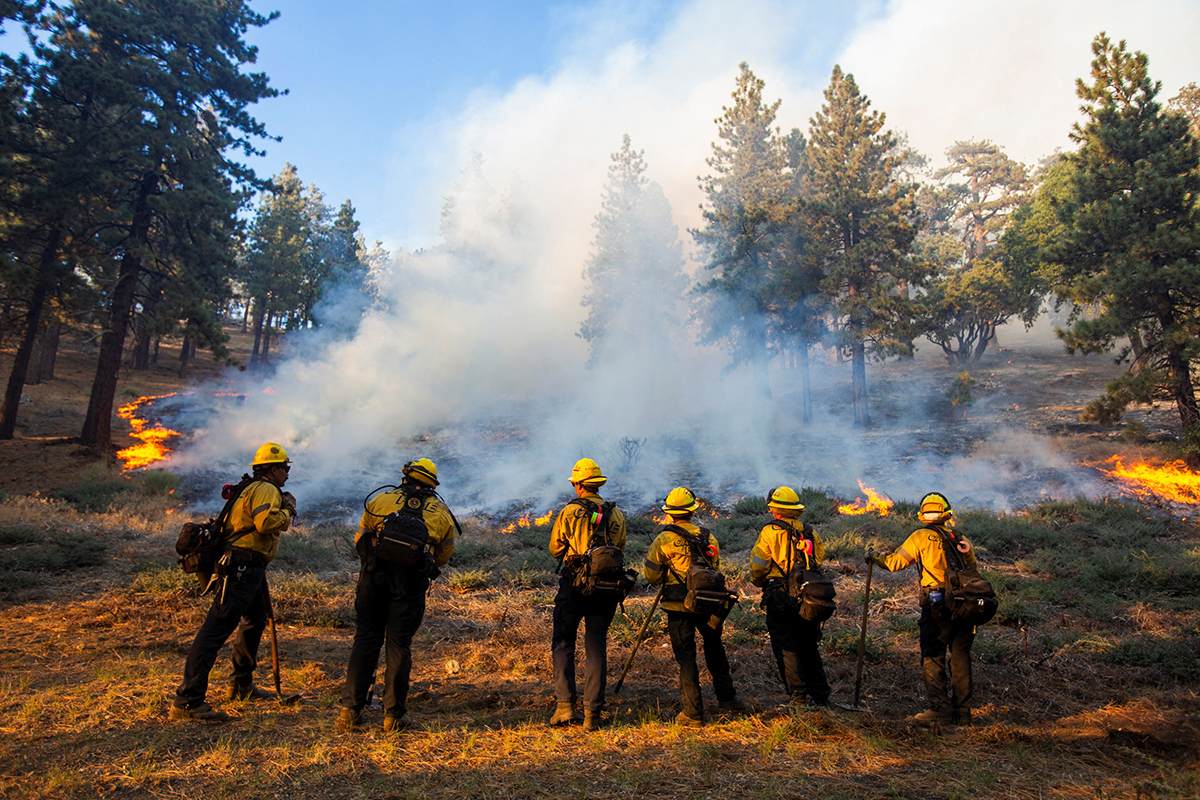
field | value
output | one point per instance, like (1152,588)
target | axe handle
(274,640)
(862,639)
(641,634)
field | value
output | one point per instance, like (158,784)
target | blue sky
(387,101)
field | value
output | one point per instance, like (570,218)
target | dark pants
(389,606)
(596,613)
(682,627)
(241,603)
(936,636)
(794,643)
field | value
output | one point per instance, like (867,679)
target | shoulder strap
(793,533)
(223,517)
(697,546)
(604,510)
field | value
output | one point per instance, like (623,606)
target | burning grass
(1086,683)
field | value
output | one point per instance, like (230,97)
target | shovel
(285,699)
(862,642)
(641,634)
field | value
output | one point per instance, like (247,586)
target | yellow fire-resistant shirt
(924,546)
(257,518)
(669,558)
(775,551)
(437,520)
(572,531)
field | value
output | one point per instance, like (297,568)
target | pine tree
(744,217)
(974,293)
(169,74)
(860,215)
(1133,240)
(634,277)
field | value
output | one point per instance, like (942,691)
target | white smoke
(473,358)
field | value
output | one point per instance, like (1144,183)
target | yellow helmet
(587,472)
(935,508)
(422,471)
(680,502)
(269,453)
(785,499)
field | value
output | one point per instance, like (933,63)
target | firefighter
(937,634)
(585,520)
(251,532)
(389,603)
(668,562)
(781,545)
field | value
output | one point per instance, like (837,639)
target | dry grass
(90,659)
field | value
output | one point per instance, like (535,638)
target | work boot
(565,714)
(203,712)
(591,720)
(347,719)
(394,724)
(247,692)
(735,704)
(932,717)
(688,722)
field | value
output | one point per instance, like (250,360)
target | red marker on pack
(227,491)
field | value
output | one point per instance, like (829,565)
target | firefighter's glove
(430,568)
(872,557)
(289,503)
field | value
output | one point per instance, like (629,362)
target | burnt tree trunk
(805,381)
(33,317)
(184,355)
(97,425)
(45,354)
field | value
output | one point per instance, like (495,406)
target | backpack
(200,544)
(404,535)
(703,588)
(809,590)
(601,570)
(967,597)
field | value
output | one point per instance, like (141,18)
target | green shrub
(467,580)
(158,579)
(56,551)
(748,616)
(311,552)
(843,641)
(158,482)
(473,552)
(527,576)
(751,507)
(93,497)
(20,534)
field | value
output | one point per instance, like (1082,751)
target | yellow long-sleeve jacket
(437,518)
(669,558)
(924,547)
(257,519)
(572,531)
(775,551)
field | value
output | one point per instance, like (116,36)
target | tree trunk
(97,425)
(45,353)
(184,353)
(33,316)
(985,338)
(858,371)
(258,329)
(805,382)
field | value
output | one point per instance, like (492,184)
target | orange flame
(524,522)
(874,502)
(153,446)
(705,508)
(1172,481)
